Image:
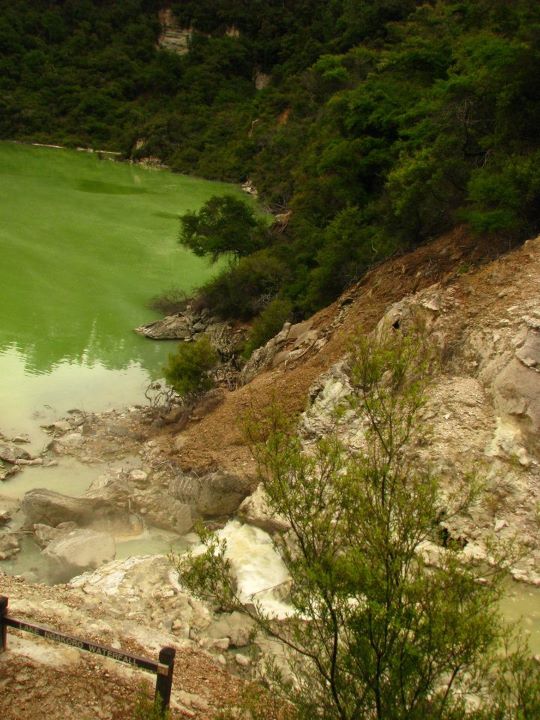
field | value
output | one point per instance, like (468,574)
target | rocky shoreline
(139,598)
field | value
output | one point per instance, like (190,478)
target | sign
(163,668)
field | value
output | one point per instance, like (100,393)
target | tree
(188,370)
(224,225)
(375,631)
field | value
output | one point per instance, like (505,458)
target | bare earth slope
(217,439)
(483,314)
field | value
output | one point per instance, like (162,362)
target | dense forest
(379,124)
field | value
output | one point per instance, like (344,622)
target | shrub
(188,370)
(244,288)
(269,322)
(169,302)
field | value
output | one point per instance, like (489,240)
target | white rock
(242,660)
(82,549)
(138,476)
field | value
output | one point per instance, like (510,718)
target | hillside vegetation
(383,124)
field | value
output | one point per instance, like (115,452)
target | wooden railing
(162,668)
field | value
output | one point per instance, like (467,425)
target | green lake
(85,243)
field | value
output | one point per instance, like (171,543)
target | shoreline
(52,146)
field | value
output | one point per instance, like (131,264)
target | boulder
(139,477)
(52,508)
(9,546)
(13,453)
(221,493)
(237,627)
(6,473)
(215,494)
(163,511)
(255,511)
(185,487)
(44,534)
(81,549)
(60,426)
(67,443)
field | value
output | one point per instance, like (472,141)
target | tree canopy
(378,123)
(225,225)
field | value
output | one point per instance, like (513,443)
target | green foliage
(188,370)
(375,631)
(246,287)
(267,324)
(516,687)
(257,702)
(385,123)
(147,709)
(349,246)
(224,225)
(502,197)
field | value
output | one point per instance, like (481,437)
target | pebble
(138,475)
(221,643)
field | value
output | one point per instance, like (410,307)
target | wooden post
(3,626)
(164,682)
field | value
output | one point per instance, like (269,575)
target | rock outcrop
(78,550)
(52,508)
(211,495)
(255,511)
(189,325)
(173,37)
(483,404)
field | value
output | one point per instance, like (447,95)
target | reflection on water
(70,477)
(33,399)
(85,244)
(78,268)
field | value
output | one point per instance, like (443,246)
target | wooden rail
(162,668)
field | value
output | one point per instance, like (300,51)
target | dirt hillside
(454,259)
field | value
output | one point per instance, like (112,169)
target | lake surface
(85,243)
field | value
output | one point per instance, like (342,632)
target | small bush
(245,288)
(269,322)
(149,709)
(188,370)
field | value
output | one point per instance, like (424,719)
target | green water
(84,244)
